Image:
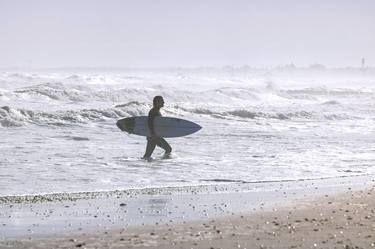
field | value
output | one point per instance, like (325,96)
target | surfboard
(163,126)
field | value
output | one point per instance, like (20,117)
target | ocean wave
(78,93)
(60,92)
(270,115)
(323,91)
(84,93)
(15,117)
(246,114)
(281,115)
(239,93)
(74,88)
(55,91)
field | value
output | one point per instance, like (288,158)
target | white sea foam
(58,130)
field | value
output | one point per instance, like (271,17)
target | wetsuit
(154,140)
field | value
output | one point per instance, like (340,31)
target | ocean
(58,131)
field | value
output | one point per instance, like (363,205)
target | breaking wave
(78,92)
(86,93)
(61,92)
(245,101)
(245,114)
(15,117)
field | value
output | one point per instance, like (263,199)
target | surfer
(153,140)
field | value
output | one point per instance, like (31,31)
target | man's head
(158,101)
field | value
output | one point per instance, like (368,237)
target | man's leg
(164,144)
(149,148)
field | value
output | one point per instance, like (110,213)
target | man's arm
(150,121)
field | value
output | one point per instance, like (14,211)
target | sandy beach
(309,215)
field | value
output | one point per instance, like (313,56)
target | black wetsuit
(153,141)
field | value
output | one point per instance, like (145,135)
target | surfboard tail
(126,124)
(118,124)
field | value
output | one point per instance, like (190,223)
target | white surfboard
(163,126)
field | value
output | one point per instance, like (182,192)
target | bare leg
(165,145)
(151,144)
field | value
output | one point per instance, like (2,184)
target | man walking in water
(153,140)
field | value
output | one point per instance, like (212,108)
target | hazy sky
(164,33)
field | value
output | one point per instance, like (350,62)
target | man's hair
(156,99)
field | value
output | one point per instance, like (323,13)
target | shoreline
(217,185)
(103,219)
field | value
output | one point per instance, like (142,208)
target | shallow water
(58,132)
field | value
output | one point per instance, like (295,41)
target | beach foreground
(334,220)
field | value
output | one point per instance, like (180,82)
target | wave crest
(15,117)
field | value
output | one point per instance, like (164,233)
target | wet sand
(344,218)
